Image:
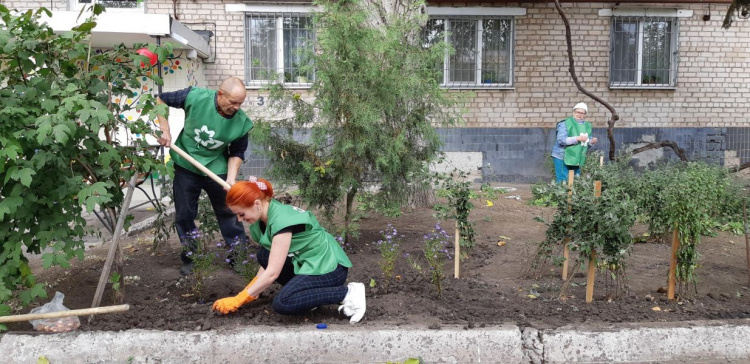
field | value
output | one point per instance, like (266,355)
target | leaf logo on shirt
(205,138)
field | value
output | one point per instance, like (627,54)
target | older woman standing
(572,143)
(295,252)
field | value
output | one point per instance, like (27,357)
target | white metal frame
(76,5)
(478,66)
(674,50)
(279,27)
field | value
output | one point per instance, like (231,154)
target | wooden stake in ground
(59,314)
(673,263)
(566,251)
(592,257)
(115,244)
(457,258)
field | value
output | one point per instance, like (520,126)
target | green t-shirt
(575,155)
(207,134)
(313,252)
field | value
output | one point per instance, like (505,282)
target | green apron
(575,155)
(314,251)
(207,134)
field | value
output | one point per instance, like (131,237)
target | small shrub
(388,247)
(197,247)
(241,256)
(435,252)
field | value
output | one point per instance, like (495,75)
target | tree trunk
(348,213)
(420,195)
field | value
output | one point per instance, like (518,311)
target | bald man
(216,135)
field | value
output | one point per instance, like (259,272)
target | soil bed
(491,290)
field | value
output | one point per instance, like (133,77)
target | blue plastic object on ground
(321,326)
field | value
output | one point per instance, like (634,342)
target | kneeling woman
(296,252)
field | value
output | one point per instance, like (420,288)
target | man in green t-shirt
(216,135)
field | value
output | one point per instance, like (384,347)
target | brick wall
(706,112)
(27,4)
(712,83)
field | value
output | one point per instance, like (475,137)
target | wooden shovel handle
(81,312)
(200,167)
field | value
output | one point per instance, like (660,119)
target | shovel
(200,167)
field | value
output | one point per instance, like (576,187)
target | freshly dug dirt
(492,289)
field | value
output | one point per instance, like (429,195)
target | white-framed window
(278,46)
(111,5)
(643,52)
(482,50)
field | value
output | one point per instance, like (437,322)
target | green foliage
(376,99)
(689,197)
(435,253)
(542,195)
(209,225)
(592,223)
(389,248)
(457,189)
(197,246)
(114,279)
(241,255)
(418,360)
(57,98)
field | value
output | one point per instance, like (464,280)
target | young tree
(376,97)
(61,105)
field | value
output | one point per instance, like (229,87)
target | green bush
(58,97)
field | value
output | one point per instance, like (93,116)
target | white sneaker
(354,304)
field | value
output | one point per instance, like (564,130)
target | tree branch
(740,167)
(571,68)
(666,143)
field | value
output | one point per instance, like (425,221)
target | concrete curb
(269,345)
(713,341)
(704,341)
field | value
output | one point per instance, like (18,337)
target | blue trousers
(187,190)
(301,293)
(561,170)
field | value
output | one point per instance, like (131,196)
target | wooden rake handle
(200,167)
(81,312)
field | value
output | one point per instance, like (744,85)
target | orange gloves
(231,304)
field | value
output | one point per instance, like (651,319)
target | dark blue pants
(301,293)
(187,190)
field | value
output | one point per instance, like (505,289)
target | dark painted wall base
(519,154)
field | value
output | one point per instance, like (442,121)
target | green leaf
(24,175)
(85,27)
(61,133)
(9,205)
(47,260)
(92,195)
(49,105)
(372,283)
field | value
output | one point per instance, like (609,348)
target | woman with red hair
(296,252)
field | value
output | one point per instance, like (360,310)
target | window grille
(482,51)
(278,48)
(643,52)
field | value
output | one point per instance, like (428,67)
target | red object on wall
(151,56)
